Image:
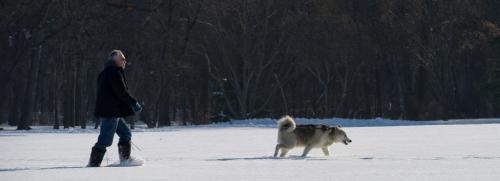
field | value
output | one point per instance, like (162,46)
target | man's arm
(119,89)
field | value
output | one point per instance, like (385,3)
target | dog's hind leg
(326,151)
(278,147)
(307,150)
(284,151)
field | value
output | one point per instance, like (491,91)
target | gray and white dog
(291,135)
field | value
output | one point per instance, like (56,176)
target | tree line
(202,61)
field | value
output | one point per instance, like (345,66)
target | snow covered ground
(381,150)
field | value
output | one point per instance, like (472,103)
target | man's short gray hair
(114,53)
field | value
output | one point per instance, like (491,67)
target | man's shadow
(43,168)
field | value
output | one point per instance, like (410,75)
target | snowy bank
(266,123)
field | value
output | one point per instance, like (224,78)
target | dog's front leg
(326,151)
(307,150)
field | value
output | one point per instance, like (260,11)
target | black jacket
(113,98)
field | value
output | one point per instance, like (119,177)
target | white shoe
(132,162)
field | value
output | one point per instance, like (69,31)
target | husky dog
(291,135)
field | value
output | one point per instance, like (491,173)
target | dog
(291,135)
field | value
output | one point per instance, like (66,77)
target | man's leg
(105,139)
(108,129)
(124,145)
(123,131)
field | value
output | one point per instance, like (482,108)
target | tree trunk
(29,95)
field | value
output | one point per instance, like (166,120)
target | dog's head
(339,135)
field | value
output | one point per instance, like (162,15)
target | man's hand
(137,107)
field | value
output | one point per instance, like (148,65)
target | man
(113,104)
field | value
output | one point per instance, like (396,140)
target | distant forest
(202,61)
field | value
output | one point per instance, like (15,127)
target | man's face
(121,61)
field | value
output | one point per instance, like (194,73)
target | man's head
(118,58)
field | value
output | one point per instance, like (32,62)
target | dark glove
(137,107)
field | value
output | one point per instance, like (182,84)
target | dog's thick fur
(291,135)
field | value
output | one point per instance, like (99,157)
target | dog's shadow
(267,158)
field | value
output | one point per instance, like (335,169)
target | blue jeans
(110,126)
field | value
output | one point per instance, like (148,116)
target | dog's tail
(286,123)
